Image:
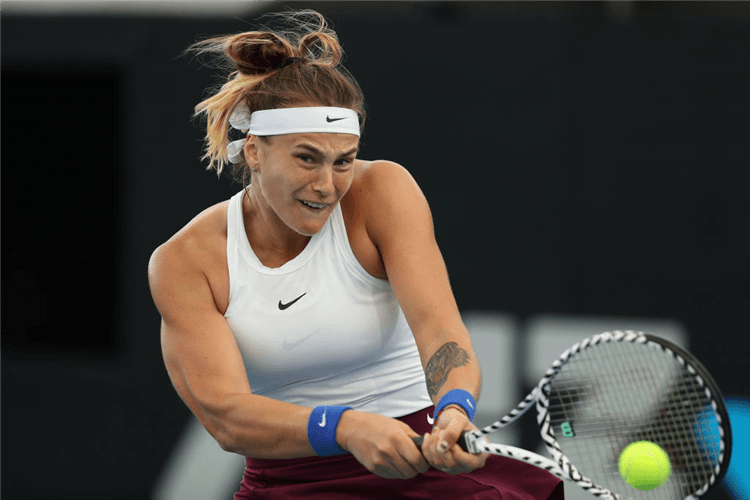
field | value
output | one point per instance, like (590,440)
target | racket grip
(461,441)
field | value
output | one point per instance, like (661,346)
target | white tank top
(320,330)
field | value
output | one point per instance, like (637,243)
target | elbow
(219,429)
(225,439)
(231,429)
(226,443)
(232,443)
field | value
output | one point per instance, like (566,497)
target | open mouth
(315,206)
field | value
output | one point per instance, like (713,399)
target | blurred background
(587,165)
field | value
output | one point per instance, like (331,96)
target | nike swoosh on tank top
(343,341)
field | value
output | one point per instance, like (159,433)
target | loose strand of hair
(321,48)
(253,57)
(217,109)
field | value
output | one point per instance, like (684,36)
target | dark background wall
(576,162)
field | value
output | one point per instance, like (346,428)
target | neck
(272,240)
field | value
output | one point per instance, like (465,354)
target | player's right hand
(382,444)
(441,449)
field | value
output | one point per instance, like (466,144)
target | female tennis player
(308,322)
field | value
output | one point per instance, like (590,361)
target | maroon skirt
(343,477)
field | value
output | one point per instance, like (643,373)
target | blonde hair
(263,77)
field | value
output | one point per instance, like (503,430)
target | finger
(383,472)
(449,429)
(416,458)
(442,445)
(438,448)
(432,456)
(427,449)
(468,461)
(456,465)
(409,460)
(459,460)
(391,470)
(444,455)
(404,469)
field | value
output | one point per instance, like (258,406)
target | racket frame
(476,441)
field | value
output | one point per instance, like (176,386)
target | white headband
(290,121)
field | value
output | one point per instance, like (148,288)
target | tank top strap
(234,231)
(346,253)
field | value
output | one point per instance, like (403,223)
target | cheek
(273,189)
(343,182)
(282,190)
(273,178)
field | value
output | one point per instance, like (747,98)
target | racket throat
(473,442)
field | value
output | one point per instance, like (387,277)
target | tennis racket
(613,389)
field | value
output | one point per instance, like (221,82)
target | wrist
(349,423)
(322,427)
(458,408)
(460,398)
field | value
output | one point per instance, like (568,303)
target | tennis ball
(644,465)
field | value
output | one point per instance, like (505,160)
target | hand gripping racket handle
(461,441)
(468,441)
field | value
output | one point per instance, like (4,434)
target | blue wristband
(321,430)
(459,397)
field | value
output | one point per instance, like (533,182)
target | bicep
(203,361)
(199,349)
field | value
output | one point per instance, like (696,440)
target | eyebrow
(320,153)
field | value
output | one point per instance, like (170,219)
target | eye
(344,163)
(306,158)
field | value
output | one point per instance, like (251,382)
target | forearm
(265,428)
(260,427)
(452,364)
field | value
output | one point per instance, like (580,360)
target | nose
(323,183)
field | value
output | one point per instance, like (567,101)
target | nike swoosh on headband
(280,121)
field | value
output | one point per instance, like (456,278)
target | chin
(309,229)
(310,225)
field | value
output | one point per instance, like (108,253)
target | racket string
(597,411)
(609,391)
(627,389)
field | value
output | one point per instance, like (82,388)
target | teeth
(313,205)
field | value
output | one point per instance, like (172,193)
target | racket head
(617,388)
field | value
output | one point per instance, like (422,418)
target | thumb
(449,427)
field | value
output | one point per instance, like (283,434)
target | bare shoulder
(381,173)
(382,188)
(383,181)
(195,253)
(198,237)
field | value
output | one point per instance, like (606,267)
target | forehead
(323,142)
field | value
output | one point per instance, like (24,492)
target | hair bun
(258,52)
(323,47)
(257,80)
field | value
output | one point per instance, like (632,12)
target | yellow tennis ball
(644,465)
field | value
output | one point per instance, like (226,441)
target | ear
(250,151)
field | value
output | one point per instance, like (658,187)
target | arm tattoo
(448,357)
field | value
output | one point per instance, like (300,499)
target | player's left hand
(440,448)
